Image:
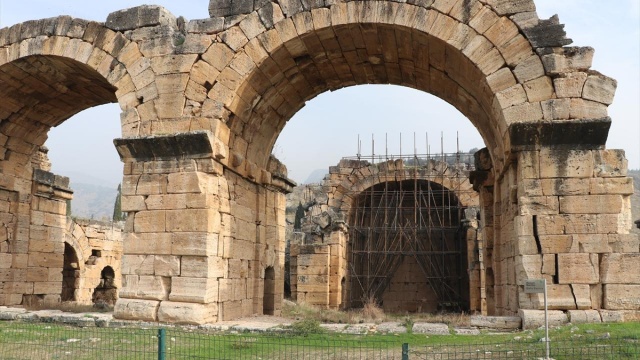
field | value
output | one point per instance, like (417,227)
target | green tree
(118,215)
(297,223)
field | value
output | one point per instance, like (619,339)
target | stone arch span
(490,60)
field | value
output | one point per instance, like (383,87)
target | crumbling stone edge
(528,319)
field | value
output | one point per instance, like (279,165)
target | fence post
(162,347)
(405,351)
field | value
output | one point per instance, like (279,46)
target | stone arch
(493,61)
(368,175)
(70,274)
(268,300)
(55,68)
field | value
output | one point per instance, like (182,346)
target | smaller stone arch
(328,229)
(70,274)
(99,249)
(268,300)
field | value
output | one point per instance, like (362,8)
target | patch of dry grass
(371,312)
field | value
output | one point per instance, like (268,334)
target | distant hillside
(316,176)
(92,201)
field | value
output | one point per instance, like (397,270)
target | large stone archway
(203,103)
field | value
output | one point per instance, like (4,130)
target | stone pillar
(171,264)
(475,263)
(200,237)
(338,266)
(314,262)
(483,182)
(46,237)
(573,227)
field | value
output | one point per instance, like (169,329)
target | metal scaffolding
(410,214)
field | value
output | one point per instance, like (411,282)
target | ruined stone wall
(562,215)
(98,246)
(320,262)
(575,213)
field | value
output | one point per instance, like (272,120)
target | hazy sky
(328,127)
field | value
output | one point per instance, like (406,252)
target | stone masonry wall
(98,245)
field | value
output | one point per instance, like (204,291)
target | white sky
(328,127)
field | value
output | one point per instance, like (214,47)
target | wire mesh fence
(52,341)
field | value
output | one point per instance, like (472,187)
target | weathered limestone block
(622,296)
(566,59)
(146,287)
(205,26)
(610,163)
(556,163)
(190,182)
(533,319)
(565,186)
(556,109)
(136,309)
(194,290)
(591,204)
(187,313)
(584,316)
(620,269)
(508,7)
(529,69)
(570,85)
(621,186)
(138,264)
(586,109)
(600,88)
(147,243)
(528,267)
(578,268)
(537,205)
(624,243)
(539,89)
(149,221)
(204,266)
(497,322)
(591,243)
(140,16)
(166,265)
(611,316)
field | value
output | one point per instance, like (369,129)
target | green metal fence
(20,340)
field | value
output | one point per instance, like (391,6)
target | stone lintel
(192,145)
(48,178)
(140,16)
(287,184)
(574,134)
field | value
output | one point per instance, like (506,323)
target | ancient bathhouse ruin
(203,102)
(402,232)
(66,259)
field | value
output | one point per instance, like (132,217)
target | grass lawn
(19,340)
